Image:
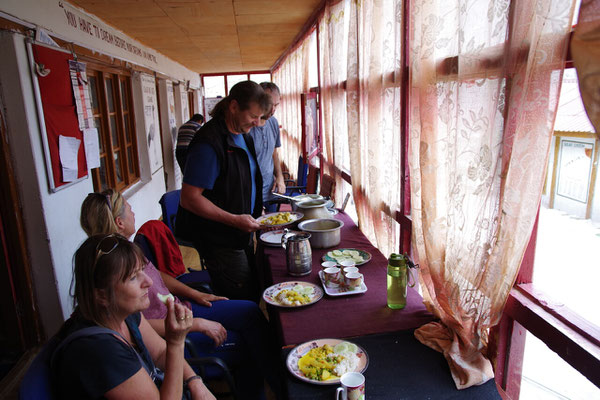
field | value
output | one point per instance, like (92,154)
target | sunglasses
(105,246)
(105,198)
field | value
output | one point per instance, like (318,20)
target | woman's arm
(180,289)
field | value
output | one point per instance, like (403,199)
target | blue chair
(294,188)
(169,203)
(37,383)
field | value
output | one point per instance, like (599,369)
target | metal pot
(298,254)
(324,232)
(313,209)
(304,197)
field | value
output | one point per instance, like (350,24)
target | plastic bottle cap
(396,260)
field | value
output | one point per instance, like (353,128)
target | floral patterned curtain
(292,79)
(585,48)
(360,47)
(485,79)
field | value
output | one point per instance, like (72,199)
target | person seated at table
(240,323)
(111,288)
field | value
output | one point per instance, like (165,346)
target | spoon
(284,196)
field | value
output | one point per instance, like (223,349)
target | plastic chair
(169,203)
(37,381)
(299,186)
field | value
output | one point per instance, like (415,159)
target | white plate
(341,291)
(273,238)
(272,291)
(294,216)
(300,350)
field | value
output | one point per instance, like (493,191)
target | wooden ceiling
(209,36)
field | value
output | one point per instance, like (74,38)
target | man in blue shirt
(267,143)
(221,194)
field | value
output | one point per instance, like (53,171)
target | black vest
(231,192)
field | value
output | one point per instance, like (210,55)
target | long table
(342,316)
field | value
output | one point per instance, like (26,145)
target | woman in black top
(120,362)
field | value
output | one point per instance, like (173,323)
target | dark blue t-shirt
(90,366)
(202,167)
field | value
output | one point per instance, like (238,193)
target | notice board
(56,110)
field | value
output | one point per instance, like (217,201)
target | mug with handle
(353,387)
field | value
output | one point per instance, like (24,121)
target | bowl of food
(325,232)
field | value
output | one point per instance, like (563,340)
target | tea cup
(328,264)
(347,263)
(347,270)
(332,277)
(353,387)
(353,280)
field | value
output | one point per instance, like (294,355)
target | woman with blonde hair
(234,330)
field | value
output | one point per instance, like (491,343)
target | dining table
(399,366)
(345,315)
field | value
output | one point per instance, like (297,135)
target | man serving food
(221,193)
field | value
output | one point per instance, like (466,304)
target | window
(110,94)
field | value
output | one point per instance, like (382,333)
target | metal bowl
(325,232)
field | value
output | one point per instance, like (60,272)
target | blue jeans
(249,350)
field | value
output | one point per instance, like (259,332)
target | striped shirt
(186,133)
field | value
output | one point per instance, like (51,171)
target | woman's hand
(178,323)
(204,299)
(212,329)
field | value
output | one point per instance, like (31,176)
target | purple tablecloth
(342,316)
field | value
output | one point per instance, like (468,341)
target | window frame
(126,144)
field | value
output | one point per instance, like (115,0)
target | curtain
(485,79)
(585,48)
(360,43)
(292,79)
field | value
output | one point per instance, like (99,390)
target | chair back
(302,172)
(327,186)
(169,203)
(37,381)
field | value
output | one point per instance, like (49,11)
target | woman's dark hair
(99,263)
(244,93)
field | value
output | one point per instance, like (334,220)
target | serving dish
(273,238)
(331,256)
(300,350)
(325,232)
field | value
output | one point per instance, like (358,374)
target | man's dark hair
(198,118)
(270,86)
(244,93)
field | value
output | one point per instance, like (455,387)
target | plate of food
(273,238)
(358,256)
(323,361)
(292,294)
(279,218)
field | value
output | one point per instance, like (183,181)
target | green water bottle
(396,281)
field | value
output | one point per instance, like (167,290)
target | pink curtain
(360,47)
(292,79)
(485,79)
(585,48)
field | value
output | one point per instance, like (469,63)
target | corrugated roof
(571,115)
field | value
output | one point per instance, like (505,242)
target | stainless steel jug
(298,254)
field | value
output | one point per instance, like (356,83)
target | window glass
(570,211)
(113,131)
(117,158)
(92,82)
(214,86)
(233,79)
(125,102)
(110,95)
(258,78)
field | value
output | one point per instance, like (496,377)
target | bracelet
(191,378)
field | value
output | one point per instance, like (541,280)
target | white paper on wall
(91,145)
(68,147)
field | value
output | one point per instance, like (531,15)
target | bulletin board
(57,111)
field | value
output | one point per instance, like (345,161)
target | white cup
(348,270)
(328,264)
(347,263)
(353,280)
(332,277)
(353,387)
